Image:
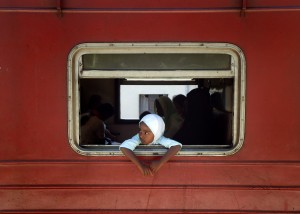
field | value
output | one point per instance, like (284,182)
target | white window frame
(237,72)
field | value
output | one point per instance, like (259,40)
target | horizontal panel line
(152,10)
(204,162)
(164,187)
(143,211)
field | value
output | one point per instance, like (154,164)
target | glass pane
(156,61)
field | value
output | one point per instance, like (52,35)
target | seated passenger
(94,130)
(94,102)
(222,121)
(165,108)
(107,111)
(197,126)
(179,103)
(151,132)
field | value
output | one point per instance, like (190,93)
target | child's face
(145,134)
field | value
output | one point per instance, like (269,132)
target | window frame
(237,72)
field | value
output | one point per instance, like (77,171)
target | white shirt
(132,143)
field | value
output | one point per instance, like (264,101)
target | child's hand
(145,170)
(155,166)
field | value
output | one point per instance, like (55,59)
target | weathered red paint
(41,173)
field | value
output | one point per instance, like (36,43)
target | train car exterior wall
(41,173)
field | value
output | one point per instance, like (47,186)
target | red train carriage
(56,54)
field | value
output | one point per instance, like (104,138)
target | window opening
(132,76)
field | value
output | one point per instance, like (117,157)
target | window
(132,75)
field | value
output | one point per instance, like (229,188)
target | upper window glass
(133,77)
(151,61)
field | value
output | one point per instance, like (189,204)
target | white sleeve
(131,143)
(167,142)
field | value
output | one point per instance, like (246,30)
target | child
(151,132)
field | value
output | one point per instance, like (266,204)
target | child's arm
(156,165)
(145,169)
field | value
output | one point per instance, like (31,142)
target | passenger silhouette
(94,130)
(197,126)
(179,102)
(94,102)
(166,109)
(222,121)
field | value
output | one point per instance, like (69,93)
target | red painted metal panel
(168,199)
(35,61)
(203,174)
(27,3)
(39,169)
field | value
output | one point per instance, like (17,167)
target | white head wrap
(155,124)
